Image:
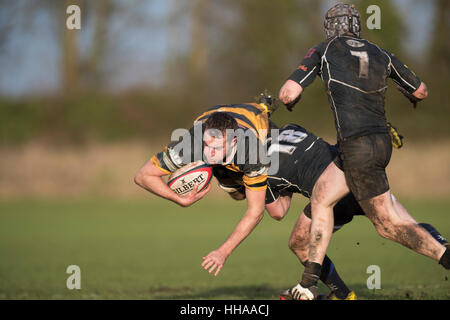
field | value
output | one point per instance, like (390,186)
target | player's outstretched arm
(149,177)
(255,212)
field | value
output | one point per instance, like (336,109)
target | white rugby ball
(182,181)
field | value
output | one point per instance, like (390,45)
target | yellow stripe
(233,167)
(250,184)
(260,122)
(262,107)
(266,108)
(155,161)
(254,180)
(256,189)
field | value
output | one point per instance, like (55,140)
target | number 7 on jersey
(363,63)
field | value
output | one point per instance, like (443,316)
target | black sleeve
(271,195)
(306,72)
(402,75)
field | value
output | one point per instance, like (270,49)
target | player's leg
(349,207)
(404,214)
(327,191)
(389,224)
(401,211)
(435,234)
(364,162)
(299,239)
(299,244)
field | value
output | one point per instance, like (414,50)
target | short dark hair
(221,121)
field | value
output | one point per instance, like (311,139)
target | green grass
(151,249)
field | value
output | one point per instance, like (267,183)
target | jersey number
(290,136)
(363,63)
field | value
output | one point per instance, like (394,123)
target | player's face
(215,148)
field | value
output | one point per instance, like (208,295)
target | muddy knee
(386,228)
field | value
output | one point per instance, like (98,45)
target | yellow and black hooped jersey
(252,118)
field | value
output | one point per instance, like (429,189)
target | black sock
(311,274)
(331,278)
(434,233)
(445,259)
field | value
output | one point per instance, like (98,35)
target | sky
(30,60)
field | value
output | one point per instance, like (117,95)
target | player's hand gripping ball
(182,181)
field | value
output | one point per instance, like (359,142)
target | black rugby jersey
(355,73)
(302,159)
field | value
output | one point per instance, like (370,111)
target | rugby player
(303,161)
(221,151)
(355,72)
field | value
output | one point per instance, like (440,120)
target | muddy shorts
(364,160)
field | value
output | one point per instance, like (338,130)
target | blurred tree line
(217,52)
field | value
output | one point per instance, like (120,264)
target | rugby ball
(182,181)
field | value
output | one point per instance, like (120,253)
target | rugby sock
(445,259)
(331,278)
(434,233)
(311,275)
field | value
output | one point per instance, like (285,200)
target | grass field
(151,249)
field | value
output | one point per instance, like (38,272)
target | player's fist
(409,96)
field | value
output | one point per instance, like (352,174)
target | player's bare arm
(255,212)
(149,177)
